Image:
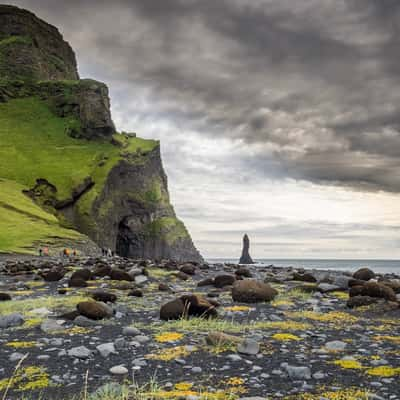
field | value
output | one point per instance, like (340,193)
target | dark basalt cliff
(115,191)
(31,48)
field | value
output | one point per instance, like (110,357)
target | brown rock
(105,297)
(102,270)
(83,274)
(221,281)
(206,282)
(198,306)
(188,269)
(54,275)
(356,282)
(252,291)
(243,272)
(373,289)
(135,293)
(304,277)
(364,274)
(359,301)
(78,282)
(172,310)
(93,310)
(163,287)
(5,297)
(119,275)
(182,276)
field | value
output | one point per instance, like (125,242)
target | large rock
(119,275)
(172,310)
(245,257)
(84,274)
(305,277)
(11,320)
(252,291)
(94,310)
(5,297)
(53,275)
(103,296)
(373,289)
(364,274)
(221,281)
(186,306)
(360,301)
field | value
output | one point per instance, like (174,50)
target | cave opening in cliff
(123,239)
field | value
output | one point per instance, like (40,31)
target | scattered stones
(80,352)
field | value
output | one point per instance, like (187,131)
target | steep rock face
(32,49)
(108,186)
(245,258)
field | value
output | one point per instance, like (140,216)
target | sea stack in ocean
(245,258)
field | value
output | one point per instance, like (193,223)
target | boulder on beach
(221,281)
(360,301)
(373,289)
(252,291)
(105,297)
(364,274)
(305,277)
(94,310)
(84,274)
(188,306)
(120,275)
(54,275)
(245,257)
(188,269)
(77,282)
(5,297)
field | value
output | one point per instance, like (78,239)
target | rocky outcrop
(123,202)
(245,258)
(31,49)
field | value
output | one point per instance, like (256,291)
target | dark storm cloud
(313,86)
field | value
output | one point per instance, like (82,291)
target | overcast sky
(279,118)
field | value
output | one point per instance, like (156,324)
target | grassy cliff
(34,145)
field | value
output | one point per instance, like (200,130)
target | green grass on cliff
(35,144)
(172,229)
(24,225)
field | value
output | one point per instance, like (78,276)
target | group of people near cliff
(65,253)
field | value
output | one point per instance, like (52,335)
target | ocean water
(379,266)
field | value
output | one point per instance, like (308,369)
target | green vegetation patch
(23,223)
(35,144)
(171,229)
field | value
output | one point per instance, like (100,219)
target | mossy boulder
(252,291)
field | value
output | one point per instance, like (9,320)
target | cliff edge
(63,167)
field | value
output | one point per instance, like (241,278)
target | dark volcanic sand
(371,338)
